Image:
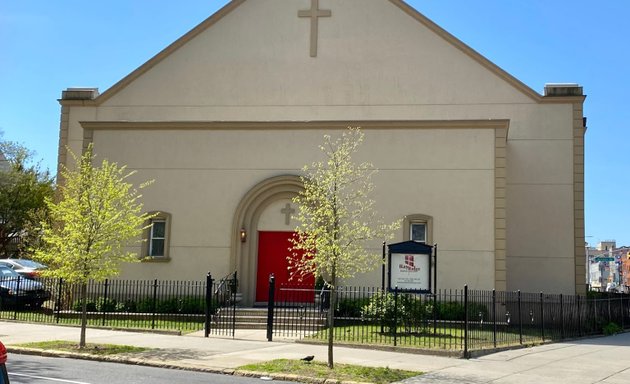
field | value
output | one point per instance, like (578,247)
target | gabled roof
(233,4)
(207,23)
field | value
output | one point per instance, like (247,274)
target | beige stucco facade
(225,118)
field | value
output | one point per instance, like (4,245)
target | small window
(157,237)
(418,227)
(155,246)
(418,232)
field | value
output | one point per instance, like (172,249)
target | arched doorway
(266,209)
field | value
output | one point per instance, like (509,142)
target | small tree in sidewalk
(337,219)
(98,214)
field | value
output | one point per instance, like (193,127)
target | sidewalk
(218,354)
(598,360)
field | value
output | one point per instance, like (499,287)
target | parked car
(4,376)
(26,268)
(18,290)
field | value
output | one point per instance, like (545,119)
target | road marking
(47,378)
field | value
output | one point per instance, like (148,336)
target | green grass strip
(89,349)
(343,372)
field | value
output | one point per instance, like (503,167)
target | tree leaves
(98,215)
(337,215)
(337,219)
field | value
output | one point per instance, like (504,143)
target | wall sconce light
(243,235)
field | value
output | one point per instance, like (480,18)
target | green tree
(23,190)
(99,213)
(337,219)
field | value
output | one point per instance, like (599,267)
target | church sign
(412,267)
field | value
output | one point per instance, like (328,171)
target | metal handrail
(223,287)
(228,277)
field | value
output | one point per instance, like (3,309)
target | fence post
(494,317)
(104,301)
(435,313)
(270,306)
(621,311)
(595,311)
(609,312)
(520,318)
(234,288)
(395,315)
(59,293)
(208,304)
(384,297)
(17,298)
(466,321)
(562,317)
(579,310)
(155,285)
(542,317)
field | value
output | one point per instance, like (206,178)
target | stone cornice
(562,99)
(80,103)
(279,125)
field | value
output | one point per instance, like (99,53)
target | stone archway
(246,217)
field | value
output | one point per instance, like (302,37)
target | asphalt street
(24,369)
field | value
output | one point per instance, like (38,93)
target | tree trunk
(331,318)
(83,314)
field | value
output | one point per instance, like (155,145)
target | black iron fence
(221,309)
(128,304)
(451,320)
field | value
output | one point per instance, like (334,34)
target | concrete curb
(289,377)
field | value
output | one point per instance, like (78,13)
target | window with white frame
(155,246)
(157,237)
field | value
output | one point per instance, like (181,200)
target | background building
(609,267)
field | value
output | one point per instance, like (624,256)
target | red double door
(273,250)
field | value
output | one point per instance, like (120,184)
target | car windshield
(6,272)
(29,264)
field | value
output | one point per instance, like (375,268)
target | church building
(225,118)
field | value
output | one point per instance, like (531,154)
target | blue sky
(47,46)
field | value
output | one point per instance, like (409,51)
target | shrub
(382,307)
(193,305)
(612,329)
(450,310)
(106,305)
(91,305)
(410,311)
(186,304)
(454,311)
(417,312)
(351,307)
(99,304)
